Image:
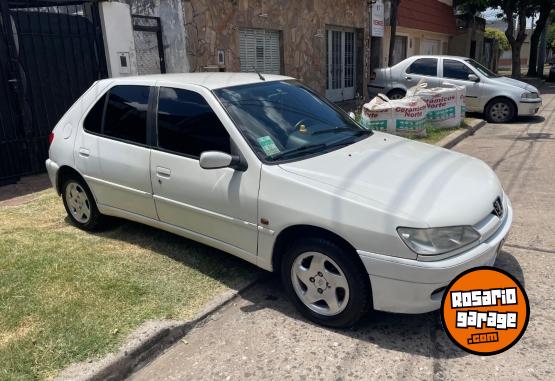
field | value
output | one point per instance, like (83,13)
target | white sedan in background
(269,171)
(501,99)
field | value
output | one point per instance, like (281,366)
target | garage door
(259,49)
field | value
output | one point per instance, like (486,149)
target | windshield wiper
(339,130)
(305,148)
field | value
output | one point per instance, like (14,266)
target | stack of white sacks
(440,107)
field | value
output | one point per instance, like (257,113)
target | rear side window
(126,113)
(93,121)
(424,66)
(188,125)
(456,70)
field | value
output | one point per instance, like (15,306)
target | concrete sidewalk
(261,336)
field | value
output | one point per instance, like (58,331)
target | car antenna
(259,75)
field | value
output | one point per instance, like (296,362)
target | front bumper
(529,107)
(409,286)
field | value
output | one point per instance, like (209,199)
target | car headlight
(530,96)
(435,241)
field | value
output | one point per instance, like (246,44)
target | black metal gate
(50,53)
(147,33)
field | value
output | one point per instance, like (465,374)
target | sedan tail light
(50,138)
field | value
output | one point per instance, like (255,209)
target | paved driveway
(261,336)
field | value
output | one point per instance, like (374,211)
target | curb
(146,343)
(455,138)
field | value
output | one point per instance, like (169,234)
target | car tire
(327,283)
(500,110)
(396,94)
(80,205)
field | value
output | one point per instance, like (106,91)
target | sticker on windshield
(268,146)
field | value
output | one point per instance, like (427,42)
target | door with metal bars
(340,63)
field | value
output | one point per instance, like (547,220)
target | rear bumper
(52,168)
(530,107)
(409,286)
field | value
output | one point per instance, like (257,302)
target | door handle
(163,172)
(408,78)
(83,152)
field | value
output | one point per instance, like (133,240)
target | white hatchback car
(267,170)
(500,99)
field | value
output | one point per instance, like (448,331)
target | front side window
(126,113)
(456,70)
(286,121)
(187,124)
(424,66)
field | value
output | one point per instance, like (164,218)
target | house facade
(423,27)
(323,43)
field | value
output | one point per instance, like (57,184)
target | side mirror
(218,160)
(473,78)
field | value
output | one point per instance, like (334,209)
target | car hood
(428,185)
(516,83)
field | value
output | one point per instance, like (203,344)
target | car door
(457,72)
(112,150)
(421,69)
(220,204)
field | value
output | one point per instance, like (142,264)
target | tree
(516,11)
(498,35)
(393,21)
(544,8)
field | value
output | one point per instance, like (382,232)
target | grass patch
(434,135)
(67,296)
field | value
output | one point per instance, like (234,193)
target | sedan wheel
(500,111)
(320,283)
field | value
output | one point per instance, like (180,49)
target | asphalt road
(261,336)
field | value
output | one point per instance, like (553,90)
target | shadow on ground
(415,334)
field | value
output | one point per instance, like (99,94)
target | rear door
(220,204)
(457,72)
(113,153)
(421,68)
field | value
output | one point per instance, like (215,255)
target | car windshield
(481,68)
(284,120)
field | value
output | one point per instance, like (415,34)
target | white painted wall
(117,31)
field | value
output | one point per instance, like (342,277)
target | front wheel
(326,282)
(500,111)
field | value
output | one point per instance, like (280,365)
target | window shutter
(259,49)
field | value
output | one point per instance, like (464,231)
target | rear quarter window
(93,120)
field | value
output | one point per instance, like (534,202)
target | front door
(340,65)
(457,72)
(220,204)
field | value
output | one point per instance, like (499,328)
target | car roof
(440,56)
(209,80)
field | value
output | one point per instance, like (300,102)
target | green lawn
(67,296)
(434,135)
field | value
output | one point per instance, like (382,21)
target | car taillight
(50,138)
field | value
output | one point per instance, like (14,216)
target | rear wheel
(500,111)
(326,283)
(396,94)
(80,205)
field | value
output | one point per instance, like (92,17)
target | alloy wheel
(320,283)
(78,202)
